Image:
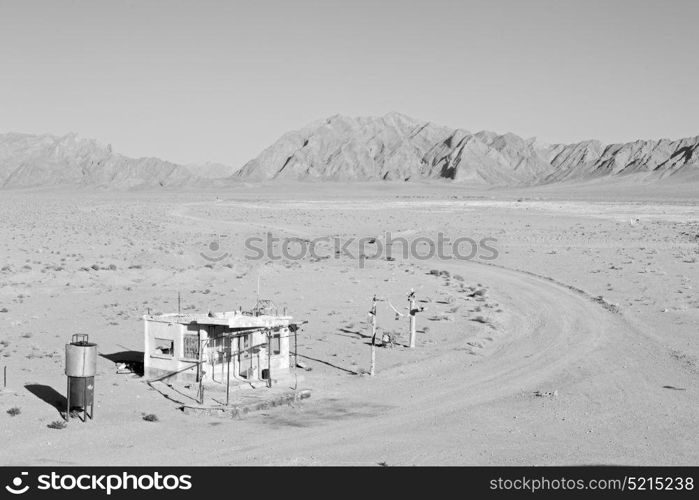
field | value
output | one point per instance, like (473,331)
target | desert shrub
(57,424)
(151,417)
(13,412)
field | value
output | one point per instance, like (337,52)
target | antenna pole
(269,358)
(296,349)
(200,370)
(228,378)
(412,311)
(372,370)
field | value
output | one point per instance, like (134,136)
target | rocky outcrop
(46,160)
(396,147)
(393,147)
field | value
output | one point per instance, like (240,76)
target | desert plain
(577,344)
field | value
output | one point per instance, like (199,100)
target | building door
(219,349)
(191,344)
(247,357)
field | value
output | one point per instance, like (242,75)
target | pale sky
(194,81)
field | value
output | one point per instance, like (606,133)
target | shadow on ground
(49,395)
(132,361)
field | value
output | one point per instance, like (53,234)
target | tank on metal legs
(81,366)
(82,392)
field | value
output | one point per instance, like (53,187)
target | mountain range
(392,147)
(397,147)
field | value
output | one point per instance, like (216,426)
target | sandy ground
(578,344)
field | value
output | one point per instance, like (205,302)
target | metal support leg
(84,401)
(67,415)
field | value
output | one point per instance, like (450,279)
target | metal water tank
(81,367)
(81,357)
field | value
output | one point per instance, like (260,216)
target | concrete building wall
(174,347)
(158,363)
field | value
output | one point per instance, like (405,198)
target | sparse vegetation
(520,316)
(14,411)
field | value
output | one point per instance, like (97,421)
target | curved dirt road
(465,408)
(612,404)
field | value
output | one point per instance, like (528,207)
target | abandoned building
(233,348)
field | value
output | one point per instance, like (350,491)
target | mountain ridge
(392,147)
(28,160)
(397,147)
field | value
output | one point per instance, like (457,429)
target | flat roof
(231,319)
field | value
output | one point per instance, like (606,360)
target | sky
(195,81)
